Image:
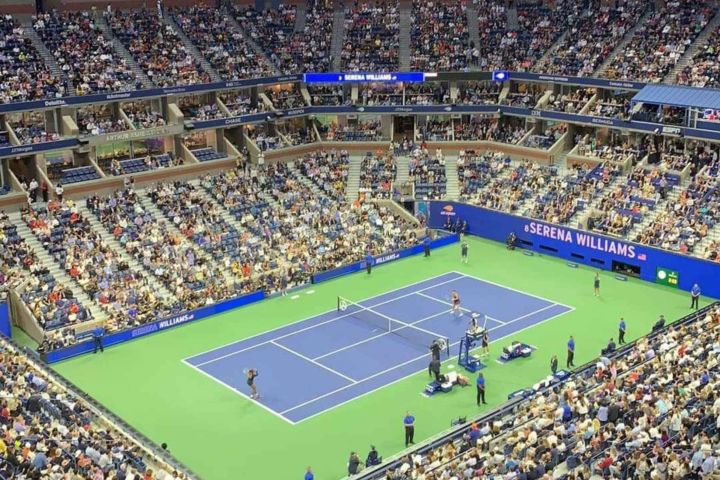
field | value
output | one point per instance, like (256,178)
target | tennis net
(416,335)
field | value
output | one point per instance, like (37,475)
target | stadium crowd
(25,74)
(377,174)
(592,38)
(372,38)
(50,432)
(476,170)
(157,48)
(84,55)
(427,171)
(703,69)
(291,51)
(660,41)
(439,34)
(650,412)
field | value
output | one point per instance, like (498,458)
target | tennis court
(316,364)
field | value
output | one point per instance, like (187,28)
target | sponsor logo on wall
(448,210)
(387,258)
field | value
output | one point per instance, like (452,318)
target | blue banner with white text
(384,258)
(578,246)
(153,327)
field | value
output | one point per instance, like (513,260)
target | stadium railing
(509,408)
(102,415)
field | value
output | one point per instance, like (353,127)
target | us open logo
(448,210)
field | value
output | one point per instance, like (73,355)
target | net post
(338,303)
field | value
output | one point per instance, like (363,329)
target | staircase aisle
(472,23)
(46,55)
(402,176)
(693,49)
(353,182)
(214,76)
(300,17)
(405,51)
(338,39)
(123,52)
(620,47)
(512,18)
(451,173)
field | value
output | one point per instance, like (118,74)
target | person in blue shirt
(695,296)
(570,352)
(426,246)
(480,382)
(309,474)
(409,423)
(621,331)
(368,263)
(97,335)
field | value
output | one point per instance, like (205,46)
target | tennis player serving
(250,374)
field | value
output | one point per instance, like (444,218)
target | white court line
(414,373)
(385,333)
(410,375)
(462,275)
(235,390)
(539,310)
(461,308)
(514,289)
(295,332)
(308,359)
(334,309)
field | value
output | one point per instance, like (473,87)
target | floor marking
(385,332)
(237,391)
(294,297)
(357,382)
(309,292)
(461,308)
(402,378)
(295,332)
(308,359)
(513,289)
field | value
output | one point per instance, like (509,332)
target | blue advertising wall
(5,328)
(579,246)
(204,312)
(157,326)
(380,259)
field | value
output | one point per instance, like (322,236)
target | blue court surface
(314,365)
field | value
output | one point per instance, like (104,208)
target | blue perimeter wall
(5,328)
(579,246)
(220,307)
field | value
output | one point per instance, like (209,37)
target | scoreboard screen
(665,276)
